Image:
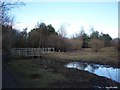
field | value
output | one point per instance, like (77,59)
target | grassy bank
(43,73)
(49,71)
(108,55)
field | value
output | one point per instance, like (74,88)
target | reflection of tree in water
(78,65)
(94,66)
(91,68)
(74,64)
(96,69)
(82,66)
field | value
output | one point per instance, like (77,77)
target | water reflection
(101,70)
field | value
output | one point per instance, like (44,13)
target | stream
(100,70)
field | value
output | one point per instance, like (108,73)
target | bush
(96,44)
(75,44)
(116,43)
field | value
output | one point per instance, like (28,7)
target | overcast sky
(102,16)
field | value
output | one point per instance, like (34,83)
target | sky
(102,16)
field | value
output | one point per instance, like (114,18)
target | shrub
(116,43)
(96,44)
(76,44)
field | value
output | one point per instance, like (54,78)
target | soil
(73,78)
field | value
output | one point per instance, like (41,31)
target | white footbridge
(31,51)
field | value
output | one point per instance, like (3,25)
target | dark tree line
(9,35)
(44,35)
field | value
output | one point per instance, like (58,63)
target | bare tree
(7,20)
(62,31)
(6,6)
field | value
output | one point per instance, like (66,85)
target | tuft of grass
(35,75)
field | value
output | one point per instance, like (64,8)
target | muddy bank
(44,73)
(100,70)
(9,79)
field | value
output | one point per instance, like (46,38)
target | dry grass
(33,74)
(49,71)
(107,55)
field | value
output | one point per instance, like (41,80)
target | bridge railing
(30,51)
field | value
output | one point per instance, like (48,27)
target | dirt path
(9,80)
